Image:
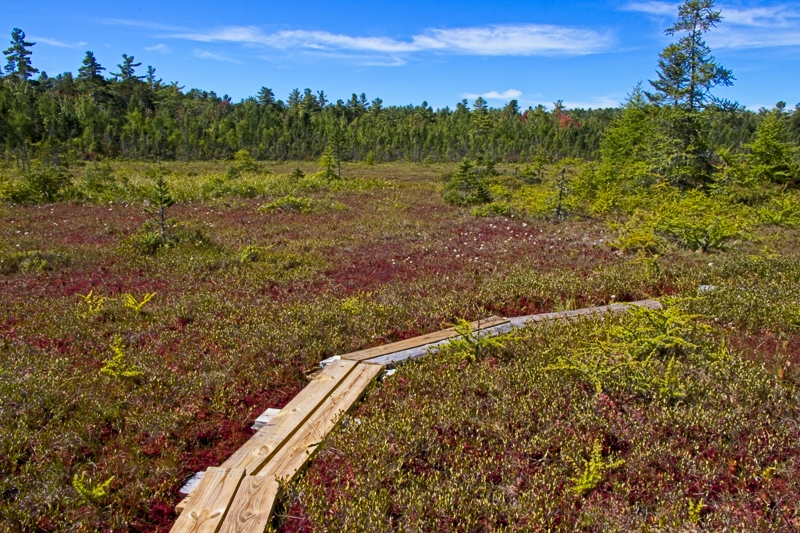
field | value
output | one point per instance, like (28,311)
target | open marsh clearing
(246,301)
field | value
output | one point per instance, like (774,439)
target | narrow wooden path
(239,496)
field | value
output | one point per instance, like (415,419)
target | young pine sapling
(160,200)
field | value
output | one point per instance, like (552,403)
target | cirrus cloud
(54,42)
(742,27)
(494,40)
(161,48)
(510,94)
(205,54)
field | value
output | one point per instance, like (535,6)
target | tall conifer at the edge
(687,72)
(90,70)
(18,59)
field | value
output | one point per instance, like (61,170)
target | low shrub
(493,209)
(32,261)
(783,210)
(288,204)
(692,219)
(41,184)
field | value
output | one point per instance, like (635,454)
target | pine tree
(127,69)
(309,100)
(687,72)
(152,82)
(266,96)
(161,200)
(18,56)
(295,99)
(336,147)
(90,69)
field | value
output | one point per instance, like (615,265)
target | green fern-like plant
(642,353)
(696,510)
(132,303)
(117,366)
(90,304)
(655,332)
(593,470)
(89,491)
(470,345)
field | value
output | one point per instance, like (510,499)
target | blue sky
(588,54)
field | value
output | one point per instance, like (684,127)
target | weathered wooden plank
(252,506)
(183,504)
(268,440)
(575,313)
(422,340)
(516,322)
(210,503)
(254,502)
(293,455)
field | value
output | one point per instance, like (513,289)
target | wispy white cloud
(54,42)
(205,54)
(755,27)
(763,17)
(598,102)
(652,8)
(357,59)
(495,95)
(161,48)
(496,40)
(517,40)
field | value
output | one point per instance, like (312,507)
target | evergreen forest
(128,112)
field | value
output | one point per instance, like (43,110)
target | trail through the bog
(240,495)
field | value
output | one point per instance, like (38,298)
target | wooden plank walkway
(240,495)
(437,336)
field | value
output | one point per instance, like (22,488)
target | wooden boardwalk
(239,496)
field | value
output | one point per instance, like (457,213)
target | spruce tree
(18,57)
(686,69)
(336,146)
(772,157)
(687,72)
(161,200)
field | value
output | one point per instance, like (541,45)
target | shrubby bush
(32,261)
(288,204)
(467,185)
(40,184)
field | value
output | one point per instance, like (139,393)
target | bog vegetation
(173,263)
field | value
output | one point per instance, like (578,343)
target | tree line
(122,114)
